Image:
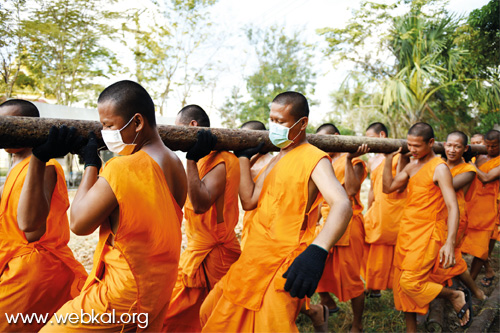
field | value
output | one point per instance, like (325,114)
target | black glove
(205,143)
(60,142)
(249,152)
(304,273)
(89,152)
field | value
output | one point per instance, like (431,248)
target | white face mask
(114,141)
(278,134)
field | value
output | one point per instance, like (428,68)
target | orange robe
(37,277)
(422,233)
(441,275)
(342,274)
(212,248)
(137,274)
(251,296)
(381,228)
(482,210)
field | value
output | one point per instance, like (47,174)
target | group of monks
(303,227)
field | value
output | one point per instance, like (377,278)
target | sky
(230,16)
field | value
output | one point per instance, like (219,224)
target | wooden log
(17,132)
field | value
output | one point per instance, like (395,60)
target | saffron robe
(212,248)
(137,274)
(251,296)
(441,275)
(482,210)
(37,277)
(422,233)
(342,274)
(381,231)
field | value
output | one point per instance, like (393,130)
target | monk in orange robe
(342,275)
(282,260)
(482,209)
(136,202)
(463,174)
(257,163)
(211,214)
(381,220)
(427,231)
(38,272)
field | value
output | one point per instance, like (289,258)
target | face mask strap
(127,123)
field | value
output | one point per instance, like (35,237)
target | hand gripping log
(17,132)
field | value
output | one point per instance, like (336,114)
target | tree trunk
(16,132)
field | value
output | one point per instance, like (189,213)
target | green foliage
(285,64)
(424,67)
(169,52)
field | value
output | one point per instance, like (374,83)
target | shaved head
(298,102)
(328,128)
(20,108)
(193,112)
(378,128)
(492,135)
(254,125)
(422,130)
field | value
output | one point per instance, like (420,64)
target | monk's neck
(20,156)
(426,158)
(453,164)
(335,156)
(292,146)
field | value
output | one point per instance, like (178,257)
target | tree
(66,47)
(13,44)
(170,53)
(417,71)
(285,63)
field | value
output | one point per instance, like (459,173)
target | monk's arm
(36,195)
(442,176)
(249,191)
(204,192)
(353,176)
(93,203)
(340,207)
(490,176)
(371,196)
(463,180)
(389,183)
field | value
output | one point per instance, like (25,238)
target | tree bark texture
(17,132)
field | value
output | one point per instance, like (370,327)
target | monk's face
(111,119)
(12,110)
(492,147)
(418,147)
(454,148)
(477,140)
(281,114)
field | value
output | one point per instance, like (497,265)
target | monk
(38,272)
(257,164)
(463,174)
(382,219)
(428,229)
(282,261)
(477,139)
(136,203)
(259,160)
(482,209)
(211,213)
(342,275)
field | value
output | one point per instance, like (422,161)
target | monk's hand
(60,142)
(394,153)
(363,149)
(89,152)
(447,255)
(249,152)
(205,143)
(304,273)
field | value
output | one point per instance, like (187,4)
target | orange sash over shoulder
(384,215)
(40,276)
(148,241)
(424,217)
(212,247)
(275,238)
(483,205)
